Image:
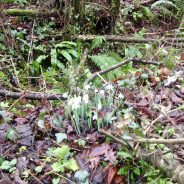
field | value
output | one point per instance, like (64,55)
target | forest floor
(38,144)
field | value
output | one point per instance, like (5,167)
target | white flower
(164,52)
(65,95)
(120,96)
(102,92)
(74,102)
(86,99)
(99,106)
(109,87)
(96,90)
(87,87)
(95,116)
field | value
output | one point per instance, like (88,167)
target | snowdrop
(99,106)
(86,99)
(95,116)
(120,96)
(102,92)
(87,87)
(109,87)
(74,102)
(65,95)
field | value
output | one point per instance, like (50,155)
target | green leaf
(1,75)
(137,171)
(13,162)
(5,165)
(41,123)
(71,164)
(12,134)
(1,159)
(41,58)
(12,169)
(60,153)
(82,176)
(54,60)
(66,55)
(58,167)
(55,180)
(97,42)
(73,52)
(124,155)
(60,65)
(60,137)
(38,169)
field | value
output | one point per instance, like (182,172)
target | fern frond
(104,61)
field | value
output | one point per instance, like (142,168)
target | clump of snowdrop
(88,110)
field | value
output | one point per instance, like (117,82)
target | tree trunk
(115,4)
(79,10)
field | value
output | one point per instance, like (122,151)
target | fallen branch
(144,140)
(29,13)
(124,62)
(167,163)
(117,38)
(31,96)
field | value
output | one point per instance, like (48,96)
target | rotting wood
(31,96)
(29,13)
(118,38)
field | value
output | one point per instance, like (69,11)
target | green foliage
(63,159)
(60,137)
(104,61)
(9,165)
(82,176)
(98,41)
(165,8)
(12,135)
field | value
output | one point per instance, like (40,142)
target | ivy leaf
(55,180)
(41,123)
(38,169)
(12,134)
(5,165)
(82,176)
(60,137)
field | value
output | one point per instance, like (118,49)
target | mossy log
(30,13)
(6,1)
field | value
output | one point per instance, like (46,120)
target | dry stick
(124,62)
(31,96)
